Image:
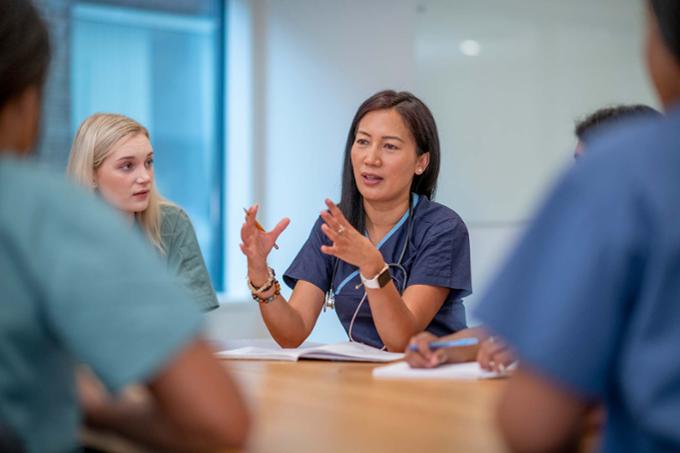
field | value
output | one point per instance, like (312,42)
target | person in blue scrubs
(77,286)
(590,297)
(493,353)
(393,261)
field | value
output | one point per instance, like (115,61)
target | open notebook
(349,352)
(469,370)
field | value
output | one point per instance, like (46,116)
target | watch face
(384,278)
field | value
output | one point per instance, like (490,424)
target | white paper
(346,351)
(468,370)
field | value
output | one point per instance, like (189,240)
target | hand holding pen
(256,242)
(260,227)
(428,351)
(442,344)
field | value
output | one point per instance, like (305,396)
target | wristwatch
(379,281)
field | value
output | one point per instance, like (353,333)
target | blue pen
(448,344)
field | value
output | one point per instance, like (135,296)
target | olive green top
(183,256)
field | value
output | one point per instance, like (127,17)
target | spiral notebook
(346,351)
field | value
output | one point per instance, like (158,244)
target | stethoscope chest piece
(329,303)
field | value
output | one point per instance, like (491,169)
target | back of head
(609,116)
(24,49)
(667,14)
(9,441)
(662,50)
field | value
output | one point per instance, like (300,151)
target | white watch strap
(372,283)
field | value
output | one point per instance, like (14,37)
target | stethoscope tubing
(330,294)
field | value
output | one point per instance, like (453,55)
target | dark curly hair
(608,115)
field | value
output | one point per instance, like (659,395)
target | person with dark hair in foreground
(394,261)
(77,286)
(607,117)
(589,298)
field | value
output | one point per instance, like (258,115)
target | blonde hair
(93,143)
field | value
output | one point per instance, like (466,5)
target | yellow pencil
(260,227)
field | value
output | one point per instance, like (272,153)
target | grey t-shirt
(76,285)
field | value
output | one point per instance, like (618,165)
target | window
(164,68)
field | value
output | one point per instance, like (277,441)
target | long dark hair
(667,14)
(25,51)
(420,122)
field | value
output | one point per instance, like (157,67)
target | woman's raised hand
(348,244)
(256,242)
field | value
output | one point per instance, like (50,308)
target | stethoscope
(329,302)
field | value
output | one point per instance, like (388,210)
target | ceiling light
(470,48)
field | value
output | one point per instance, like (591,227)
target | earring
(419,171)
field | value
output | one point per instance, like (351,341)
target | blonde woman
(112,155)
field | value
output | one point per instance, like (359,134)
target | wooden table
(315,406)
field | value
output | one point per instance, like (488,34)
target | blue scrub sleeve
(311,264)
(108,297)
(563,296)
(443,259)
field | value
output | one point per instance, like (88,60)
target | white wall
(319,63)
(505,116)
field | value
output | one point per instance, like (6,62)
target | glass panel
(163,69)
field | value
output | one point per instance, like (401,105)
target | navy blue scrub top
(438,254)
(591,295)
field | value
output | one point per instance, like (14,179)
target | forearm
(468,353)
(284,323)
(140,421)
(535,415)
(191,404)
(393,320)
(469,332)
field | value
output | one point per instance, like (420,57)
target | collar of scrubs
(414,201)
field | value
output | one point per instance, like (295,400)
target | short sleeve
(561,298)
(443,258)
(106,296)
(186,260)
(311,264)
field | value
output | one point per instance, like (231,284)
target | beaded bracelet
(266,286)
(266,300)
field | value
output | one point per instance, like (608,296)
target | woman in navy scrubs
(393,261)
